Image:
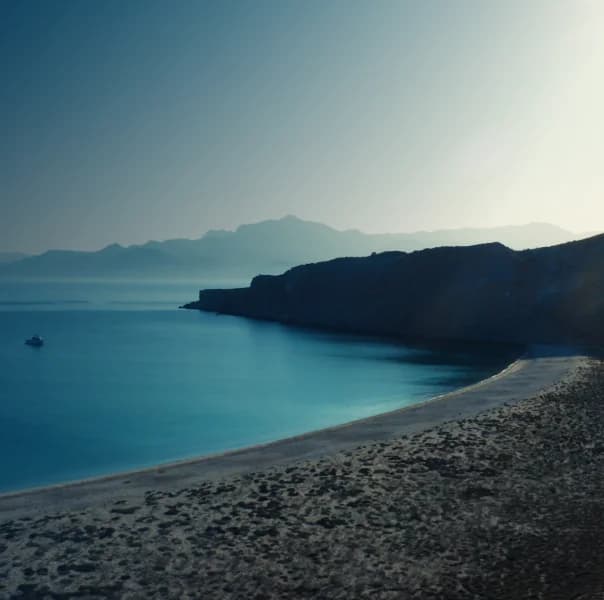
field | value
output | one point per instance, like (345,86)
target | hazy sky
(131,120)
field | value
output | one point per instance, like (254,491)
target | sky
(124,121)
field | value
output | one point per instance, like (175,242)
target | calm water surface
(126,380)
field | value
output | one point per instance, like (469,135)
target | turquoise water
(126,380)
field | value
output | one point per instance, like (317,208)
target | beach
(490,492)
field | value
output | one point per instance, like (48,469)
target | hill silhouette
(9,257)
(484,292)
(266,247)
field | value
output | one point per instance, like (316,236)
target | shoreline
(538,370)
(504,504)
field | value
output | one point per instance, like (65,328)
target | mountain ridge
(9,257)
(485,292)
(270,246)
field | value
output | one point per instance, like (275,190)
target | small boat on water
(35,340)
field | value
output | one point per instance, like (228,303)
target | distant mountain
(267,247)
(9,257)
(485,292)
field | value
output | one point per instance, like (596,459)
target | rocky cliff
(484,292)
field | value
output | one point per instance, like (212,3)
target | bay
(126,380)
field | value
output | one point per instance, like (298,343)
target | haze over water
(126,380)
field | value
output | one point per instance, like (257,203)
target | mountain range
(486,292)
(9,257)
(266,247)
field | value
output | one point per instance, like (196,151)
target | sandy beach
(490,492)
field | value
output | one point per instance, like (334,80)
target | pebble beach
(505,504)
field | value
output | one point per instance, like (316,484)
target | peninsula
(486,292)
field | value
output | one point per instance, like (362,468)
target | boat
(35,340)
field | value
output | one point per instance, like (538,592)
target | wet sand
(491,492)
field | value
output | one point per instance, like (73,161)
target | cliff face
(485,292)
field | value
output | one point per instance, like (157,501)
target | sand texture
(508,504)
(535,372)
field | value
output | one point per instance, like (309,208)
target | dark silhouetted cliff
(484,292)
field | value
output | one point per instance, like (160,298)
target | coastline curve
(539,370)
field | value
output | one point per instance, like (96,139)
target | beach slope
(503,502)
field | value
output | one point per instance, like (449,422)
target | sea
(128,380)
